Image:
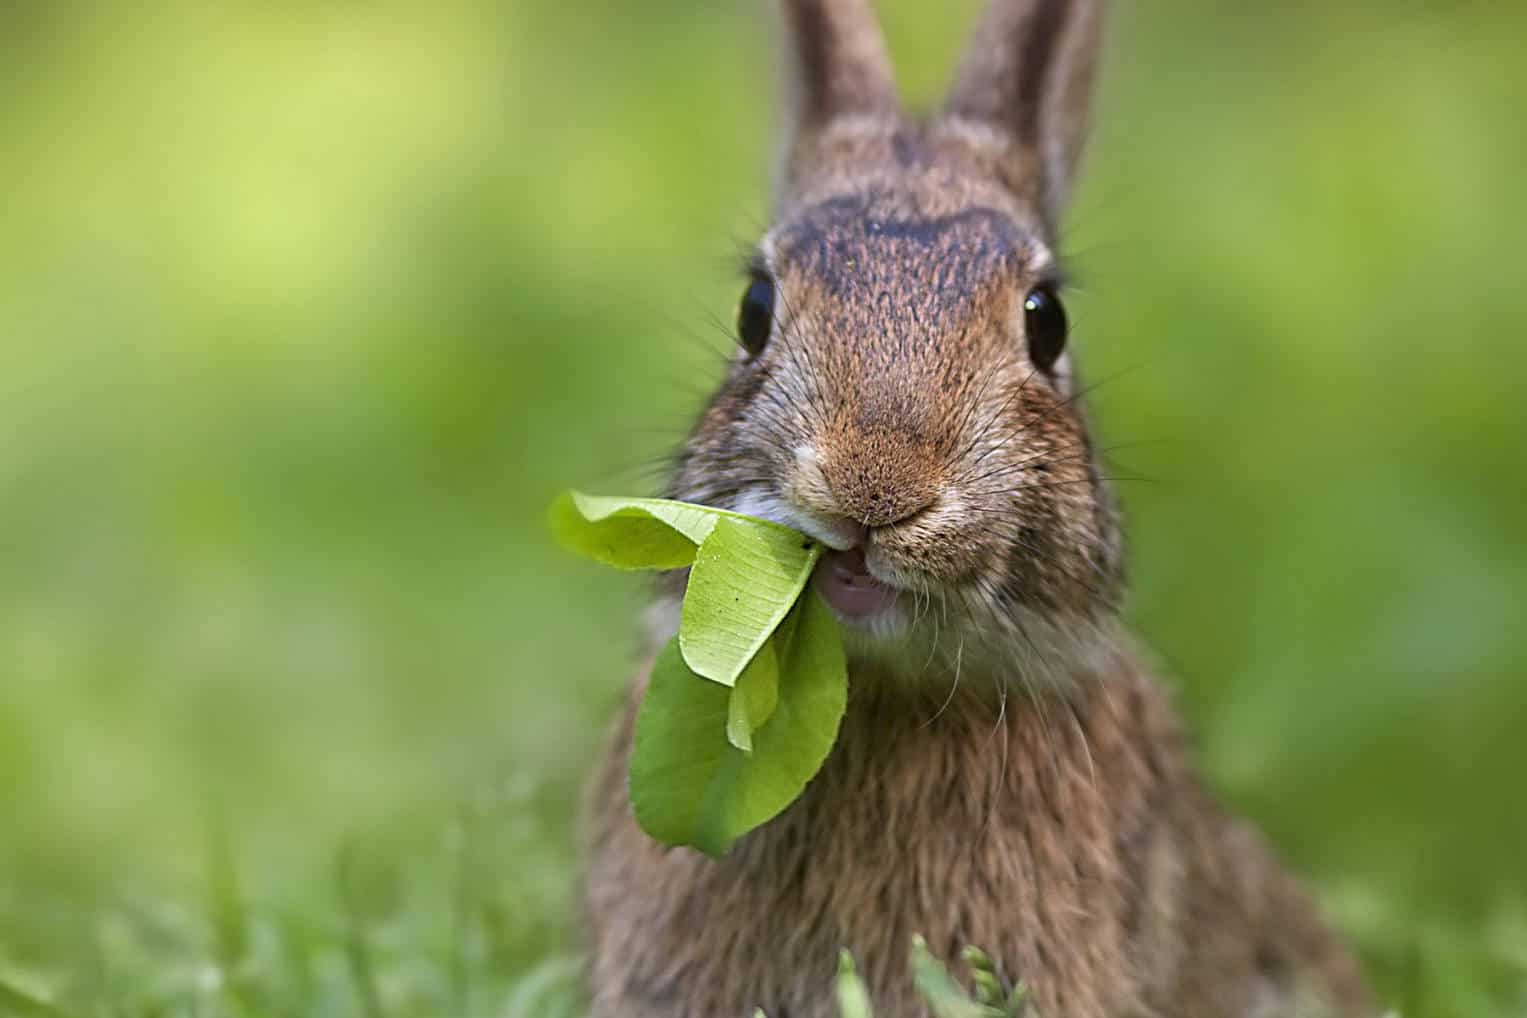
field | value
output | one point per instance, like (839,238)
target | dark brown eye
(755,315)
(1045,327)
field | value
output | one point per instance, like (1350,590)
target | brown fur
(1069,838)
(1007,775)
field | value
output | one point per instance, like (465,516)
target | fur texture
(1065,835)
(1007,776)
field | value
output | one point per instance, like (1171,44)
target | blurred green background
(307,309)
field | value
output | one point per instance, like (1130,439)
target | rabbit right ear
(1027,78)
(837,66)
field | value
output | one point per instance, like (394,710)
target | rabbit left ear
(1028,75)
(836,66)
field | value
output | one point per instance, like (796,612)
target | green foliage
(747,574)
(419,921)
(949,999)
(631,533)
(990,990)
(743,705)
(690,785)
(449,914)
(853,996)
(754,698)
(942,992)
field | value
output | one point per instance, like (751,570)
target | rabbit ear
(1028,76)
(837,66)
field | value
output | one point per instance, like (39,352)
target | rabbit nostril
(878,475)
(883,510)
(848,492)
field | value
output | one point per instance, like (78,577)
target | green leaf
(943,993)
(632,533)
(710,762)
(853,998)
(746,576)
(753,699)
(689,785)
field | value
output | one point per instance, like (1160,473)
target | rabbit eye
(755,315)
(1044,325)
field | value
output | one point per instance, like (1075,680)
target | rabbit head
(903,389)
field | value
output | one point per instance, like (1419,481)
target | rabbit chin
(921,643)
(948,645)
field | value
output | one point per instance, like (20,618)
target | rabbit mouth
(845,582)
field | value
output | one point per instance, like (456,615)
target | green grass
(471,919)
(462,914)
(306,312)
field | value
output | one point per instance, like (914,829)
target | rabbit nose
(881,476)
(845,489)
(883,506)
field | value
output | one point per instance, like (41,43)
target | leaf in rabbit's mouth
(744,580)
(743,705)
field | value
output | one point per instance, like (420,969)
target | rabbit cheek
(1053,563)
(934,546)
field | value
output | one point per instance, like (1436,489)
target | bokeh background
(307,310)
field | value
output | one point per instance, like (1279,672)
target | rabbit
(1008,773)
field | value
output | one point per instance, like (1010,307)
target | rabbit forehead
(894,275)
(882,246)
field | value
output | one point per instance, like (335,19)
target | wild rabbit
(1008,775)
